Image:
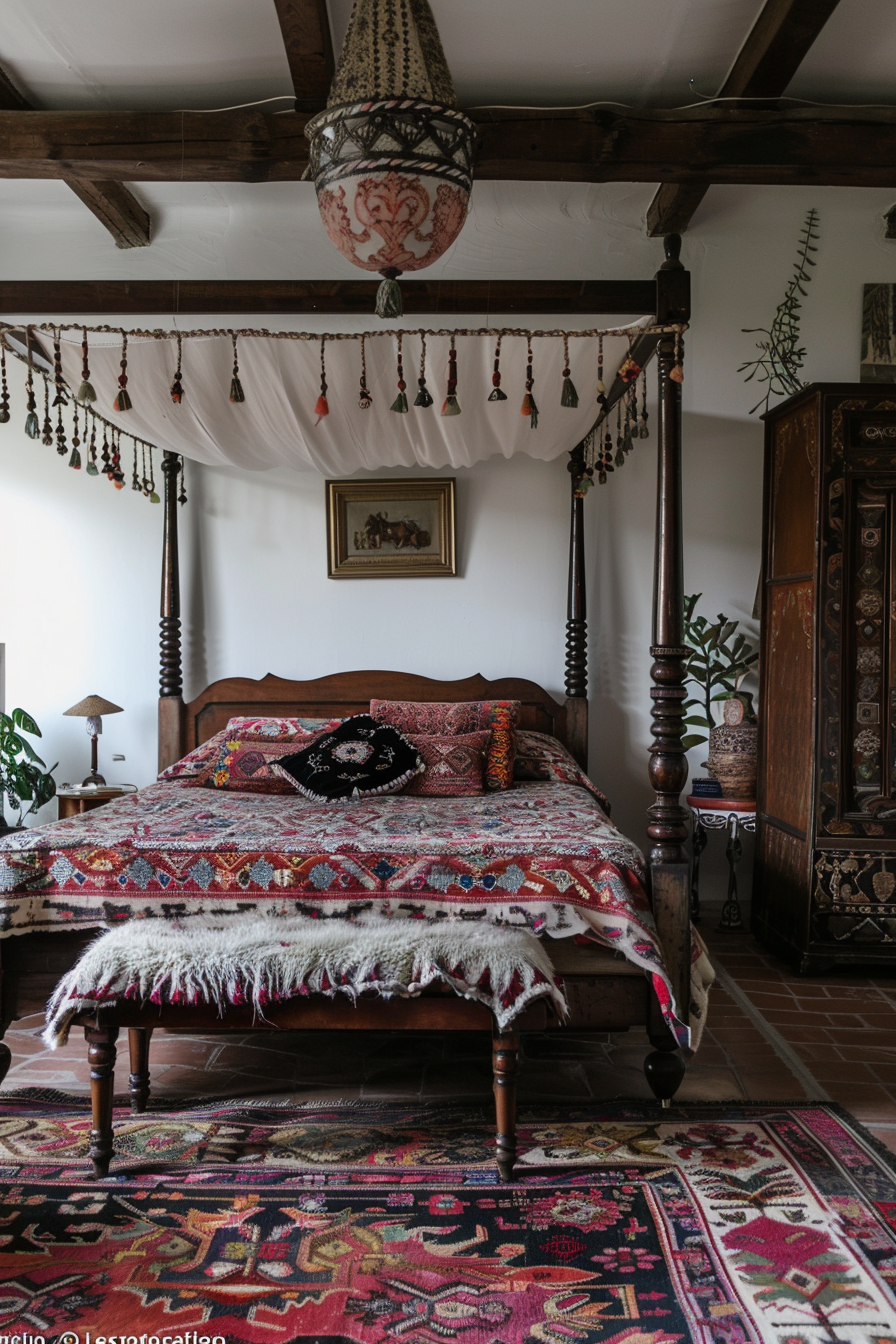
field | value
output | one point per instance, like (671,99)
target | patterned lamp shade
(391,156)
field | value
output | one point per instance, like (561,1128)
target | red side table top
(721,804)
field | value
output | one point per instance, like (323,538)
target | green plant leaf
(699,721)
(26,723)
(692,740)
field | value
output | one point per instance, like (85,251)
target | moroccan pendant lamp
(391,156)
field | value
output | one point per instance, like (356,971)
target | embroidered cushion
(207,754)
(538,756)
(500,717)
(455,764)
(359,758)
(246,766)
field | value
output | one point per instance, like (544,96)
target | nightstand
(74,800)
(734,816)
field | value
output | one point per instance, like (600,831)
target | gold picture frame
(391,529)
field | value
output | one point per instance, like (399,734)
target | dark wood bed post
(171,704)
(667,828)
(576,624)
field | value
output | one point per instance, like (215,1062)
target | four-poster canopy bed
(603,991)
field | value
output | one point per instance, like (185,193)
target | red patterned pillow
(207,754)
(500,717)
(455,764)
(246,766)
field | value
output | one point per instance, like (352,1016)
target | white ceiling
(214,53)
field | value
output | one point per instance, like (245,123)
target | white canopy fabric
(276,424)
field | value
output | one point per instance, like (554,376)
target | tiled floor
(772,1036)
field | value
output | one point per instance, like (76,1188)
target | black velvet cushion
(359,758)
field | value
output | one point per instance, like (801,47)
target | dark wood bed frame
(605,993)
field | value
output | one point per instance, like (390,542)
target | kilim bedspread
(540,855)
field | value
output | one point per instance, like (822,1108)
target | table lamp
(91,708)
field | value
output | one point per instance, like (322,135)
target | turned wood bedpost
(576,624)
(668,768)
(170,677)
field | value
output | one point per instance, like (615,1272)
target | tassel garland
(177,384)
(236,388)
(123,400)
(423,398)
(568,394)
(86,393)
(451,405)
(388,296)
(400,404)
(529,407)
(322,407)
(496,394)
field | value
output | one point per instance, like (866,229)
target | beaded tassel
(644,432)
(177,385)
(144,479)
(628,369)
(364,397)
(60,398)
(117,475)
(236,388)
(451,405)
(529,407)
(423,398)
(75,459)
(86,393)
(322,407)
(135,480)
(92,469)
(154,497)
(123,400)
(47,436)
(182,494)
(568,395)
(59,402)
(496,394)
(4,390)
(601,389)
(620,441)
(400,404)
(32,425)
(676,373)
(105,456)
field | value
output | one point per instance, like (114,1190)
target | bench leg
(505,1059)
(664,1068)
(101,1055)
(138,1079)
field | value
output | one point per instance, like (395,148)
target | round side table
(732,815)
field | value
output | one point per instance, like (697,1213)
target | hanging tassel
(32,425)
(400,404)
(177,385)
(182,494)
(423,398)
(92,469)
(496,394)
(47,437)
(116,475)
(388,296)
(105,458)
(568,394)
(236,387)
(364,397)
(529,407)
(144,479)
(123,401)
(60,398)
(61,444)
(644,432)
(135,480)
(601,389)
(4,390)
(85,391)
(676,373)
(154,497)
(75,459)
(451,405)
(322,407)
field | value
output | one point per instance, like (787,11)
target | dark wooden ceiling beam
(753,145)
(55,298)
(115,207)
(305,26)
(765,65)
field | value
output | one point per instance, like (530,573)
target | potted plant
(22,778)
(721,659)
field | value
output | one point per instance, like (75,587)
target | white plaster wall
(79,563)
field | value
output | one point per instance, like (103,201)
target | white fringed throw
(261,961)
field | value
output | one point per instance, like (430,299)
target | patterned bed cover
(540,855)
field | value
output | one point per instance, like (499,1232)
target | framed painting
(390,529)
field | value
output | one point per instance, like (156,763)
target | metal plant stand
(734,816)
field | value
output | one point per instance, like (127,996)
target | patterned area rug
(374,1223)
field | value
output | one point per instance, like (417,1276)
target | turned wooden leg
(138,1079)
(664,1068)
(505,1058)
(101,1054)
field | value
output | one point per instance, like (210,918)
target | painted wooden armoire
(825,873)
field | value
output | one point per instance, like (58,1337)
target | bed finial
(672,249)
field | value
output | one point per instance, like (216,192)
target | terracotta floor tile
(885,1136)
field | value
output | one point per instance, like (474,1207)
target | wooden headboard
(347,693)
